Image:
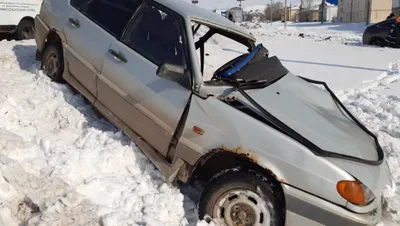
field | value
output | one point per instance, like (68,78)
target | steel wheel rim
(51,65)
(242,207)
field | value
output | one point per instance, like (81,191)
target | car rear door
(129,86)
(90,29)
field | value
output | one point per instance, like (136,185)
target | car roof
(190,11)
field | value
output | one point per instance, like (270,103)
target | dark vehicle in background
(376,34)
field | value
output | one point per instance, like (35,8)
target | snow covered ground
(351,32)
(62,164)
(76,167)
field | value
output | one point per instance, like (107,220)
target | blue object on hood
(241,63)
(334,2)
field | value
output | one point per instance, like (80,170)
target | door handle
(118,56)
(74,22)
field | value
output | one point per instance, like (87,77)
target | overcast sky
(219,4)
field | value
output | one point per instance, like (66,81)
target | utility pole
(270,9)
(368,12)
(351,11)
(285,12)
(240,5)
(323,10)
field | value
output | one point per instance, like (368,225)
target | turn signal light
(352,191)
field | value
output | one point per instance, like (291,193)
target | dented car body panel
(178,119)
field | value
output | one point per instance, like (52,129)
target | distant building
(356,11)
(311,11)
(396,7)
(310,3)
(292,13)
(318,2)
(330,12)
(236,13)
(333,2)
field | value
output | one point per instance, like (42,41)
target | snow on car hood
(311,111)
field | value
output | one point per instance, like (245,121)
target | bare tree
(276,9)
(249,17)
(307,4)
(306,10)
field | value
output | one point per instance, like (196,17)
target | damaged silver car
(273,148)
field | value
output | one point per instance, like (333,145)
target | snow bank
(381,114)
(343,32)
(75,166)
(251,25)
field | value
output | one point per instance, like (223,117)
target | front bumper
(303,209)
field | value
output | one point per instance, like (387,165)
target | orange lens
(351,191)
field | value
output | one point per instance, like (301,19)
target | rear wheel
(53,62)
(377,42)
(242,198)
(25,30)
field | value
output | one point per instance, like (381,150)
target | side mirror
(171,72)
(175,73)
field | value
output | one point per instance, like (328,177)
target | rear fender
(41,33)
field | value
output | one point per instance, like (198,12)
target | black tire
(52,62)
(221,185)
(378,42)
(25,30)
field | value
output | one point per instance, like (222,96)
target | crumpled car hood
(311,112)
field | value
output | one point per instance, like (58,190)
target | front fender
(292,163)
(41,33)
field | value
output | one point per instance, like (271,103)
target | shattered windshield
(218,49)
(227,57)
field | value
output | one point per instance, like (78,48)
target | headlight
(355,192)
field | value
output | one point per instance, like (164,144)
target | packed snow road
(61,163)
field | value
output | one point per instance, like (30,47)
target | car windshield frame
(241,38)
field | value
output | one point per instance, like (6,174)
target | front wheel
(242,198)
(378,42)
(53,62)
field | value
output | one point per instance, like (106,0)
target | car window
(112,15)
(158,35)
(78,3)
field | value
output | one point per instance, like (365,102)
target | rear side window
(78,3)
(158,36)
(112,15)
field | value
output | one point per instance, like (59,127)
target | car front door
(91,28)
(129,86)
(383,28)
